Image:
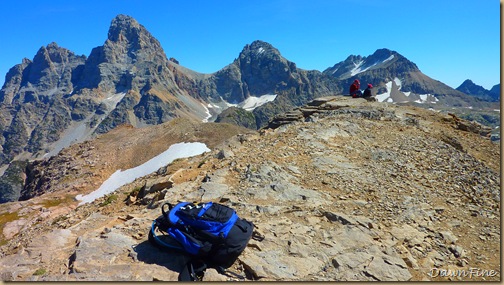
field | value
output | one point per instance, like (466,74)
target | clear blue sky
(449,40)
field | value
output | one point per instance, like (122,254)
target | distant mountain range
(60,98)
(470,88)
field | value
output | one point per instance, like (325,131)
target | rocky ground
(345,190)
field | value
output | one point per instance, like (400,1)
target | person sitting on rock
(367,93)
(355,91)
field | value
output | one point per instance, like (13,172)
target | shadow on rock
(173,260)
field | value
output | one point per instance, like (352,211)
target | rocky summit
(340,189)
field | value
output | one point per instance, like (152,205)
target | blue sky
(449,40)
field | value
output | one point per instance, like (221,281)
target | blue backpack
(211,233)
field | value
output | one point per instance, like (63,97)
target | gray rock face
(56,91)
(130,58)
(260,70)
(12,182)
(36,90)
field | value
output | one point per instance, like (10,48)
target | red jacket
(354,87)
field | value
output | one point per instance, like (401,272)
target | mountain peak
(259,48)
(467,82)
(381,59)
(124,26)
(470,88)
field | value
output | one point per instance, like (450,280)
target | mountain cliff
(59,98)
(261,70)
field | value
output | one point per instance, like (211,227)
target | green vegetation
(135,191)
(40,271)
(111,198)
(6,218)
(57,201)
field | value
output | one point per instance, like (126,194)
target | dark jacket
(367,92)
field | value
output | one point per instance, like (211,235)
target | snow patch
(207,112)
(357,69)
(120,178)
(398,83)
(252,102)
(113,100)
(427,98)
(423,98)
(384,96)
(389,58)
(260,50)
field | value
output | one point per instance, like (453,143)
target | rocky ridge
(353,190)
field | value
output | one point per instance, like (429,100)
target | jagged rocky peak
(126,28)
(54,53)
(263,61)
(345,66)
(257,48)
(259,52)
(380,59)
(52,66)
(13,80)
(128,59)
(49,72)
(128,42)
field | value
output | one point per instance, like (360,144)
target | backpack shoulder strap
(193,271)
(171,216)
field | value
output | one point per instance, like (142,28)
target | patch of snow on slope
(398,83)
(389,58)
(384,96)
(207,112)
(427,98)
(113,100)
(252,102)
(120,178)
(356,69)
